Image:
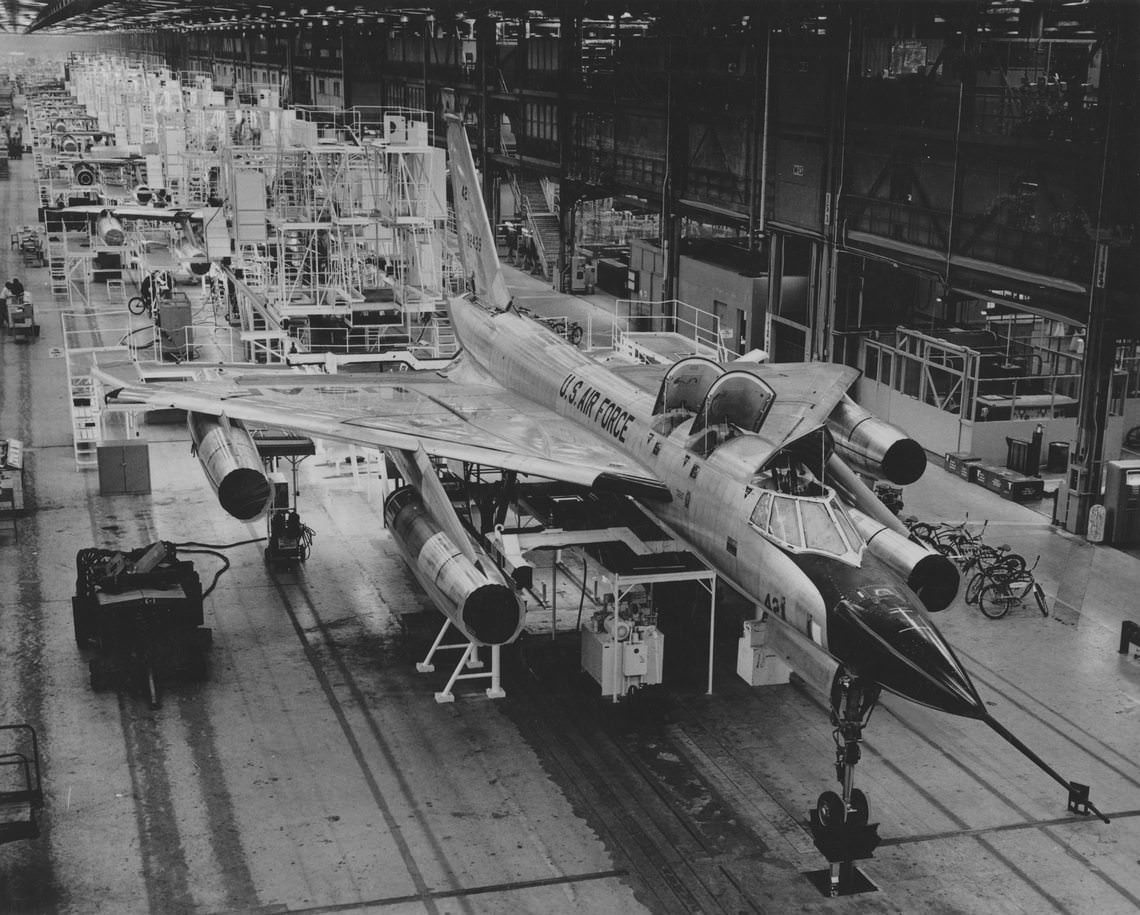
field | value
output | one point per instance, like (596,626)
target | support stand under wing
(470,660)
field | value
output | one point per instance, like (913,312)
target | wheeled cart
(140,613)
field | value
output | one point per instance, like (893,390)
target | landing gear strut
(839,823)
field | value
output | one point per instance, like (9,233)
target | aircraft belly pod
(229,457)
(873,446)
(484,609)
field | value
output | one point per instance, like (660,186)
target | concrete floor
(313,771)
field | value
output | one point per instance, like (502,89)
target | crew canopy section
(816,523)
(781,449)
(748,413)
(724,403)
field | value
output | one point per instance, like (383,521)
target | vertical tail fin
(476,240)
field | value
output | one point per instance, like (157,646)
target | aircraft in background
(748,464)
(108,223)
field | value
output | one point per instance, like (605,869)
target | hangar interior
(944,192)
(938,196)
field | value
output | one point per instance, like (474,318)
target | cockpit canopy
(816,523)
(725,403)
(685,385)
(735,399)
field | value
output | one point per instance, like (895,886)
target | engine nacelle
(873,446)
(229,456)
(932,576)
(194,257)
(484,609)
(109,230)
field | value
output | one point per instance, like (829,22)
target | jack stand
(839,824)
(470,660)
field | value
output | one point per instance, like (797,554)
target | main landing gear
(839,823)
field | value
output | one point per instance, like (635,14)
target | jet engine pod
(194,257)
(873,446)
(84,173)
(229,457)
(109,229)
(932,576)
(481,606)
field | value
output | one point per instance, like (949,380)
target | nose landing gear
(839,823)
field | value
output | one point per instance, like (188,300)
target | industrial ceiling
(1057,18)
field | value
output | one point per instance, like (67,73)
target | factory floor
(312,771)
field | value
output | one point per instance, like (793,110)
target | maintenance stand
(289,541)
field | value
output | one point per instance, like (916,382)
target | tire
(830,809)
(136,305)
(1039,596)
(574,335)
(995,600)
(860,811)
(974,588)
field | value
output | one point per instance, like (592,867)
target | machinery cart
(22,318)
(141,613)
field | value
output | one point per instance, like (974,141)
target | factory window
(321,85)
(336,87)
(541,121)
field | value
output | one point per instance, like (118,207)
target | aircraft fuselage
(713,499)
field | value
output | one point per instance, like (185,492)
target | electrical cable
(211,549)
(582,599)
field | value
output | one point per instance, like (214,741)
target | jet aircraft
(749,464)
(108,225)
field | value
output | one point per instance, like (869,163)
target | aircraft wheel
(860,811)
(829,809)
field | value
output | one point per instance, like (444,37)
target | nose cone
(880,634)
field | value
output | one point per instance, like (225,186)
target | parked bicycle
(999,597)
(955,541)
(154,286)
(564,327)
(991,564)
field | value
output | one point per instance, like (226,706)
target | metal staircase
(542,222)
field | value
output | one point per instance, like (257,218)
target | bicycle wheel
(1005,569)
(995,600)
(136,305)
(1039,595)
(974,588)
